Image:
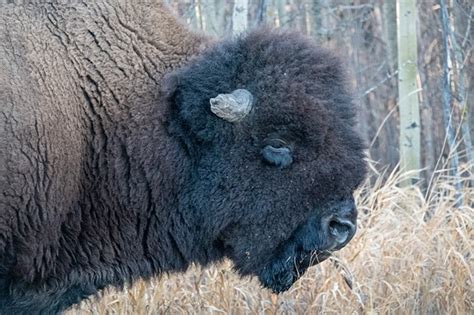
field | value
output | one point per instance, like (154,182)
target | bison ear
(185,121)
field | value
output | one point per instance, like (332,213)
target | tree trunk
(282,13)
(447,108)
(197,11)
(389,8)
(407,89)
(239,16)
(261,12)
(461,94)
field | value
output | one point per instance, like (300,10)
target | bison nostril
(341,231)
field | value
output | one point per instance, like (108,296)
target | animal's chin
(280,274)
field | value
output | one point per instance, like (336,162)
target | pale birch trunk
(407,89)
(239,16)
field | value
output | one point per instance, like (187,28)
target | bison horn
(232,107)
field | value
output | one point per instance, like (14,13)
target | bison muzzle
(310,244)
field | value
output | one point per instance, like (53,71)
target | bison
(131,146)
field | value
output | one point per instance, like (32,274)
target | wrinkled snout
(340,226)
(329,231)
(311,244)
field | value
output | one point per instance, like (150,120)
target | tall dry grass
(413,254)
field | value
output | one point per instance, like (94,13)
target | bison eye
(280,156)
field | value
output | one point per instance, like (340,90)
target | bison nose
(341,225)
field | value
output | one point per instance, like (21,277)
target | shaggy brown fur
(109,58)
(107,174)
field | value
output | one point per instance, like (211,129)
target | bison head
(267,123)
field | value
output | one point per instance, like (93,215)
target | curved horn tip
(232,107)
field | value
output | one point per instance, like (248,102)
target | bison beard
(130,147)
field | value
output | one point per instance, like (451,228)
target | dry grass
(399,262)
